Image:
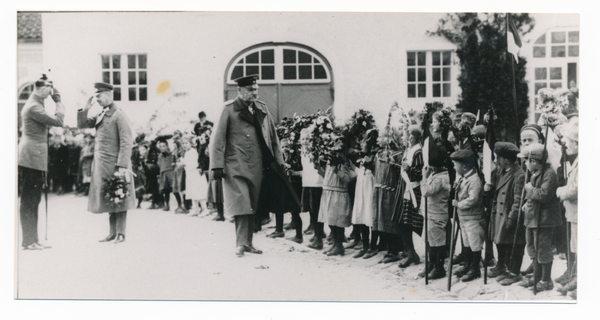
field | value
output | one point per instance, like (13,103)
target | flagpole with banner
(513,45)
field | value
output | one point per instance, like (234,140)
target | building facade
(171,65)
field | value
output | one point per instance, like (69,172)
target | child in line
(541,215)
(166,165)
(469,204)
(435,188)
(196,186)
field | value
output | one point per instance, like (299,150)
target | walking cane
(45,186)
(487,247)
(512,251)
(452,243)
(538,213)
(426,246)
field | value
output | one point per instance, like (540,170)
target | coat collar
(37,98)
(507,176)
(573,166)
(241,106)
(111,109)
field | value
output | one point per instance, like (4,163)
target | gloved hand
(56,95)
(218,173)
(511,225)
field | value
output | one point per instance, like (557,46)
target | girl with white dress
(196,186)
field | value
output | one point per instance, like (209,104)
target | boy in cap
(540,213)
(506,223)
(469,204)
(435,188)
(568,196)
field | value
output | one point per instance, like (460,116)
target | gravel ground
(169,256)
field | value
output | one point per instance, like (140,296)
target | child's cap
(479,131)
(506,150)
(534,151)
(463,156)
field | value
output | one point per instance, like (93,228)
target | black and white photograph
(299,156)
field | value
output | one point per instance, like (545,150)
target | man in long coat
(112,153)
(244,151)
(33,157)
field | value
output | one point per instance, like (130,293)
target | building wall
(366,52)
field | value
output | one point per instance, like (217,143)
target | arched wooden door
(294,79)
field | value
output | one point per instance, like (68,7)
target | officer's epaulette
(264,104)
(228,102)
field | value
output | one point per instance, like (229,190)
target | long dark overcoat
(236,148)
(113,145)
(507,198)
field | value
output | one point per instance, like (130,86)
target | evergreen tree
(486,69)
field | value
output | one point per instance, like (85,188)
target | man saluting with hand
(112,153)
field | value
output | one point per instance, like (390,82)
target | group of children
(385,195)
(177,164)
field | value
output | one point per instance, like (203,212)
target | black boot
(431,257)
(338,247)
(474,272)
(365,242)
(546,282)
(460,258)
(438,265)
(468,257)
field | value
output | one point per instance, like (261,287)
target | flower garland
(115,189)
(390,139)
(327,143)
(357,128)
(288,133)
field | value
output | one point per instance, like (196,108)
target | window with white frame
(429,74)
(417,74)
(562,44)
(114,71)
(283,64)
(440,73)
(548,78)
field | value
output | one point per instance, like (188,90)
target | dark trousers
(512,259)
(30,185)
(244,229)
(118,222)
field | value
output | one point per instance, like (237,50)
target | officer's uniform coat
(507,198)
(236,148)
(113,146)
(33,147)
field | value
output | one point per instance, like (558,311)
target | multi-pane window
(259,62)
(440,73)
(277,63)
(562,44)
(417,74)
(301,65)
(548,78)
(429,74)
(127,73)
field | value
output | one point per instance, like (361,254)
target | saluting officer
(112,153)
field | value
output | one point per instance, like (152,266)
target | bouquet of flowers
(357,129)
(551,104)
(390,139)
(328,143)
(115,189)
(288,133)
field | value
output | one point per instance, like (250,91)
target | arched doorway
(294,79)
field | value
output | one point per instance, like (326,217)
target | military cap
(470,118)
(506,150)
(43,81)
(101,87)
(247,80)
(479,131)
(534,151)
(571,131)
(463,155)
